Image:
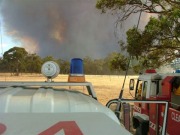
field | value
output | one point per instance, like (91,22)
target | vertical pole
(165,119)
(126,116)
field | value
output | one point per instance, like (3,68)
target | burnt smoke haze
(60,28)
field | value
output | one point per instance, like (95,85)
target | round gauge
(50,69)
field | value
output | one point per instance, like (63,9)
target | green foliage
(156,45)
(92,66)
(119,62)
(100,66)
(64,66)
(159,42)
(14,59)
(48,58)
(133,37)
(128,7)
(109,4)
(31,63)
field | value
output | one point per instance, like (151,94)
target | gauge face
(50,69)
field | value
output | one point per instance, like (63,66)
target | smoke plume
(61,28)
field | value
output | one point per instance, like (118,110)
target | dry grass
(106,87)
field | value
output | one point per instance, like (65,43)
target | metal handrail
(48,84)
(144,101)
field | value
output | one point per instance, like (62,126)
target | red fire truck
(148,118)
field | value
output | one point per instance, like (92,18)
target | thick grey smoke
(61,28)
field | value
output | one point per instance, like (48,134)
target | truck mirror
(131,84)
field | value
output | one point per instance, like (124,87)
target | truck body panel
(79,123)
(45,109)
(159,87)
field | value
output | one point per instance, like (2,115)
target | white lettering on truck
(137,108)
(175,117)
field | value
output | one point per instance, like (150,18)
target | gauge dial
(50,69)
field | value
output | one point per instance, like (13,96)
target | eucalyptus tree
(159,42)
(15,58)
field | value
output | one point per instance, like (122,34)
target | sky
(61,28)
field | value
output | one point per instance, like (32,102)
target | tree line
(17,60)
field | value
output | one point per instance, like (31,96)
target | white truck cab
(150,84)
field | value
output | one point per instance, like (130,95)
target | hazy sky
(61,28)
